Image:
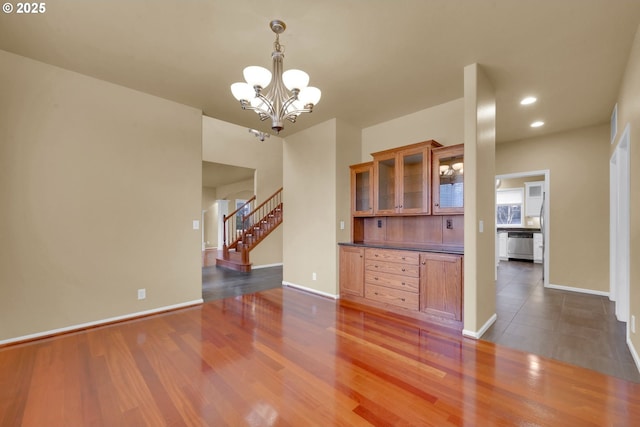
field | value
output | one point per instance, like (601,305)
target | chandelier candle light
(289,95)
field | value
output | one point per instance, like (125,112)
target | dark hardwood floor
(220,283)
(288,358)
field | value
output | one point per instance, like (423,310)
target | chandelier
(287,98)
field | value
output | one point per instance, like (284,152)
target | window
(509,207)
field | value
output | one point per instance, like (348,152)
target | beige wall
(479,200)
(90,172)
(316,193)
(629,113)
(309,159)
(210,224)
(230,144)
(578,201)
(444,123)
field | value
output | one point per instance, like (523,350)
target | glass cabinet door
(448,179)
(413,184)
(363,181)
(387,185)
(362,189)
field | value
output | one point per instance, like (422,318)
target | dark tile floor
(218,283)
(576,328)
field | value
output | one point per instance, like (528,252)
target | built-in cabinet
(533,197)
(351,271)
(407,231)
(392,277)
(441,285)
(424,285)
(401,179)
(502,245)
(448,180)
(537,247)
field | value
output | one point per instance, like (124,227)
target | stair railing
(261,219)
(231,233)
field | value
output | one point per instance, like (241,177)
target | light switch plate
(196,224)
(481,226)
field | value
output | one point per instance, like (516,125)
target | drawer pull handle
(402,299)
(403,258)
(375,278)
(375,293)
(403,284)
(403,269)
(376,255)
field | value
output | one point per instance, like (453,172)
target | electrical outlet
(313,276)
(142,294)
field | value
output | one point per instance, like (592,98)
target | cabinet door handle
(403,258)
(402,299)
(375,293)
(403,269)
(437,204)
(376,255)
(375,278)
(403,284)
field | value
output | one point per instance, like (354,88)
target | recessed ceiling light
(537,124)
(528,100)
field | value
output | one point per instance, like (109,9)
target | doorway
(619,228)
(514,216)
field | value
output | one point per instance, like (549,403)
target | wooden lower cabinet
(441,285)
(423,285)
(392,277)
(351,270)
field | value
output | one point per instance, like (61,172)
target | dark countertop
(533,230)
(456,250)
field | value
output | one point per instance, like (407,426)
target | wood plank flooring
(284,357)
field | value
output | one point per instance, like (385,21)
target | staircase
(243,232)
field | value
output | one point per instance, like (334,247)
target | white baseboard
(253,267)
(634,353)
(310,290)
(100,322)
(483,329)
(579,290)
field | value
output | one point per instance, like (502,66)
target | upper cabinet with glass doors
(401,179)
(448,180)
(362,189)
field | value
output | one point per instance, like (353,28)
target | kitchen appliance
(520,245)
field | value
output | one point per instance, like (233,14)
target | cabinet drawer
(392,268)
(404,257)
(409,284)
(407,300)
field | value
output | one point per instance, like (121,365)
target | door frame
(619,227)
(547,223)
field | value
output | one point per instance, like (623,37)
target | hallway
(572,327)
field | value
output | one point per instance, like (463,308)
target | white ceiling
(374,60)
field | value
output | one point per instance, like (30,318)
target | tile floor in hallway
(576,328)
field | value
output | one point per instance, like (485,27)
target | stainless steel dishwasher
(520,245)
